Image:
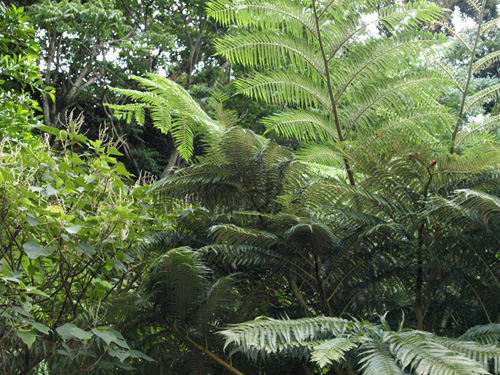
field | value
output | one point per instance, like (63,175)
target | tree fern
(171,108)
(316,58)
(376,349)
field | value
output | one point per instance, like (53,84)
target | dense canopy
(249,187)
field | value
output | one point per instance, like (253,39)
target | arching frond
(421,353)
(302,125)
(490,26)
(284,87)
(404,16)
(239,256)
(485,334)
(275,15)
(380,351)
(221,296)
(485,206)
(477,100)
(383,55)
(376,358)
(486,125)
(373,101)
(172,109)
(176,281)
(270,50)
(485,61)
(236,236)
(333,350)
(273,335)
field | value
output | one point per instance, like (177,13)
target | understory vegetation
(249,187)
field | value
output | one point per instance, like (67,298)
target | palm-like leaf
(331,69)
(171,108)
(379,350)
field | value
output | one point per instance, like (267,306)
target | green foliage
(323,64)
(69,224)
(19,78)
(172,110)
(393,209)
(375,348)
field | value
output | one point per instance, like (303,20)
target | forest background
(170,170)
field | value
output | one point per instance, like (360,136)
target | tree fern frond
(226,118)
(318,231)
(486,206)
(370,100)
(476,5)
(273,335)
(485,334)
(176,280)
(161,118)
(320,170)
(485,61)
(273,155)
(220,296)
(474,350)
(481,161)
(376,359)
(270,50)
(383,54)
(166,99)
(436,119)
(321,154)
(284,87)
(177,100)
(381,351)
(477,100)
(458,36)
(144,96)
(486,125)
(490,25)
(333,350)
(239,256)
(418,351)
(405,17)
(234,235)
(136,109)
(302,125)
(451,72)
(276,15)
(183,135)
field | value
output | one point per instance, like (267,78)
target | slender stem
(321,290)
(333,109)
(298,295)
(469,77)
(200,348)
(419,282)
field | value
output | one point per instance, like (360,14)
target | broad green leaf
(85,248)
(108,336)
(41,327)
(11,278)
(27,337)
(69,331)
(138,354)
(114,151)
(34,250)
(118,353)
(51,190)
(34,290)
(73,229)
(48,129)
(32,220)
